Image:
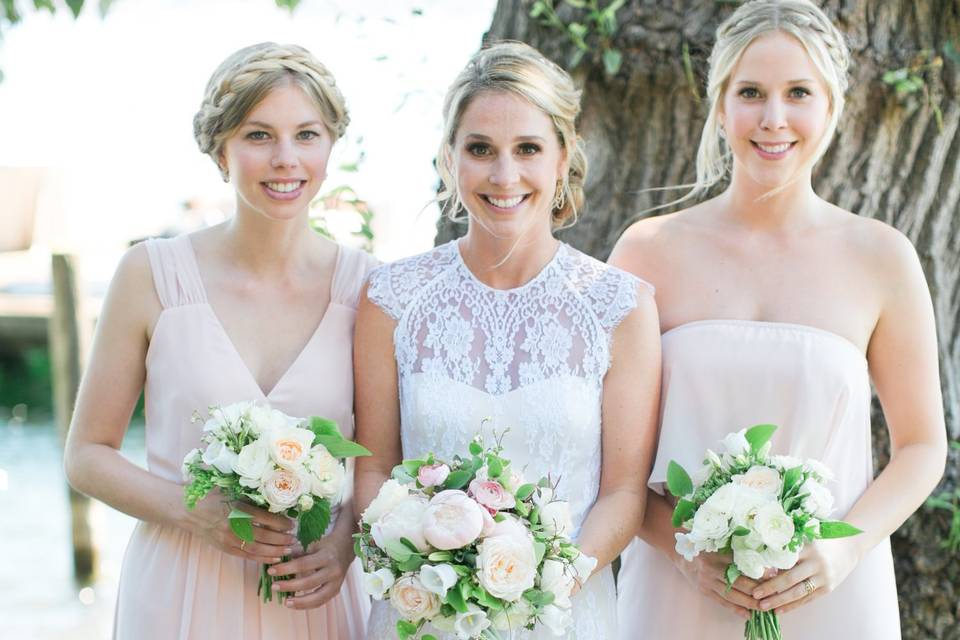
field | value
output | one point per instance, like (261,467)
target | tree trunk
(890,160)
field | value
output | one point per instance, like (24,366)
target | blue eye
(308,135)
(529,149)
(257,135)
(799,92)
(749,93)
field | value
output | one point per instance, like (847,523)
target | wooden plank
(67,355)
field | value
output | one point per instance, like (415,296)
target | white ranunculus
(557,578)
(412,601)
(686,546)
(512,618)
(774,525)
(193,457)
(327,474)
(819,502)
(555,518)
(252,463)
(289,446)
(780,558)
(764,480)
(219,456)
(404,520)
(747,503)
(282,488)
(389,495)
(785,462)
(817,467)
(556,619)
(261,419)
(709,523)
(749,562)
(471,623)
(507,561)
(378,582)
(542,496)
(438,578)
(736,443)
(724,499)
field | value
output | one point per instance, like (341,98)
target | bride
(510,324)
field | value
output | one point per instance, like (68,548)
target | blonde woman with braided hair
(779,307)
(259,308)
(509,324)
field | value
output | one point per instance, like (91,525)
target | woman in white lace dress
(509,324)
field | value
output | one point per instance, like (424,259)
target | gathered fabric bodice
(526,364)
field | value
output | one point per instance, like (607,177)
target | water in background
(39,599)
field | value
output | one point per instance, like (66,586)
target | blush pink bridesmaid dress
(174,585)
(724,375)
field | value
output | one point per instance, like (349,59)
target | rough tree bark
(890,160)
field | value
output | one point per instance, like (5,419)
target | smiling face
(775,111)
(507,159)
(277,158)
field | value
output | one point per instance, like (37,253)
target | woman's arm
(376,402)
(631,401)
(904,366)
(108,394)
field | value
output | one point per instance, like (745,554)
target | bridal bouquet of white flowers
(470,547)
(262,456)
(759,508)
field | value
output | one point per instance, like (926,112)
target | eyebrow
(480,136)
(264,125)
(798,81)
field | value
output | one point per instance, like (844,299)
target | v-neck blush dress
(173,585)
(724,375)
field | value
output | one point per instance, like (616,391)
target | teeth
(505,204)
(774,148)
(283,187)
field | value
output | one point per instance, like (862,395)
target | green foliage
(759,435)
(831,529)
(197,490)
(241,523)
(340,201)
(678,480)
(914,78)
(313,523)
(327,433)
(26,379)
(592,34)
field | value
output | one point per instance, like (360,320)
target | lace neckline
(547,268)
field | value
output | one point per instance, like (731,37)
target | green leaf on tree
(759,435)
(612,59)
(678,480)
(241,523)
(313,523)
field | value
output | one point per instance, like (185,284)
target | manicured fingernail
(288,603)
(272,571)
(757,594)
(765,605)
(288,550)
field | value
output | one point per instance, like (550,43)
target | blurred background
(96,151)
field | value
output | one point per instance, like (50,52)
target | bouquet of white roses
(760,508)
(471,548)
(261,456)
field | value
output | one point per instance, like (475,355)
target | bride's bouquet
(761,509)
(262,456)
(470,547)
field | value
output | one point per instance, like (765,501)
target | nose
(284,155)
(504,171)
(774,115)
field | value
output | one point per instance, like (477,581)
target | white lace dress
(531,359)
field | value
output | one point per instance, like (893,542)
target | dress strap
(176,275)
(352,268)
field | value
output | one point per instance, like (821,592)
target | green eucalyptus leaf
(241,523)
(405,628)
(475,448)
(678,480)
(759,435)
(457,479)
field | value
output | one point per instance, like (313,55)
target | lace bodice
(530,359)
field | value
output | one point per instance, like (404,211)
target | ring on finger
(243,543)
(808,586)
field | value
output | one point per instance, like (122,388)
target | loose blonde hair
(247,76)
(519,69)
(823,42)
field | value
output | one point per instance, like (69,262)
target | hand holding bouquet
(261,456)
(469,547)
(760,508)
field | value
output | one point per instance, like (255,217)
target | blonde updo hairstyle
(800,19)
(518,68)
(247,76)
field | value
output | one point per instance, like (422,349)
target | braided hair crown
(247,76)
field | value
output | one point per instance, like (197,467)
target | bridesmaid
(257,308)
(777,306)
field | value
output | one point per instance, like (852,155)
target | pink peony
(492,495)
(432,475)
(452,520)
